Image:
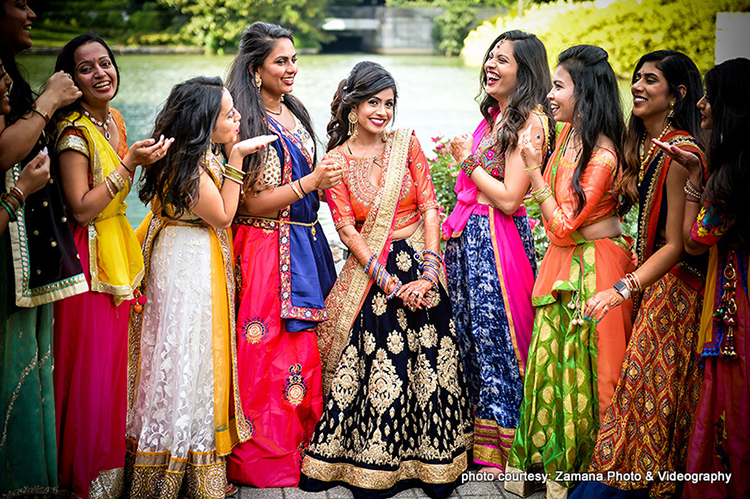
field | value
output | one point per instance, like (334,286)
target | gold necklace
(642,148)
(272,111)
(374,159)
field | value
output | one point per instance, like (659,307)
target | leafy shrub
(626,29)
(451,27)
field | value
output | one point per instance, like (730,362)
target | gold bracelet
(296,191)
(235,170)
(112,193)
(532,167)
(41,113)
(117,181)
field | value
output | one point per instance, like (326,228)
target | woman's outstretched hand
(602,302)
(145,152)
(685,159)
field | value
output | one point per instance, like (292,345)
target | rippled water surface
(436,94)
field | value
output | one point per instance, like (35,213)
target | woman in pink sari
(490,253)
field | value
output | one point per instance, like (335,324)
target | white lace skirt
(173,409)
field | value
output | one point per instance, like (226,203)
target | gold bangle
(112,193)
(296,191)
(41,113)
(117,181)
(532,167)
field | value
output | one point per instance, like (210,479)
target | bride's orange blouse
(351,200)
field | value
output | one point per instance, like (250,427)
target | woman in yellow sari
(184,410)
(90,334)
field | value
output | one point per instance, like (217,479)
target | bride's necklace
(101,124)
(374,158)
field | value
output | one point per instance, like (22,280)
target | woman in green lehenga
(574,364)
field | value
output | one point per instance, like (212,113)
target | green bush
(626,29)
(451,27)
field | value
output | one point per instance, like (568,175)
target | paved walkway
(468,490)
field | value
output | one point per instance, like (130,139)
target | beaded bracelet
(691,190)
(469,165)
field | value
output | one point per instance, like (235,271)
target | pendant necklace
(102,124)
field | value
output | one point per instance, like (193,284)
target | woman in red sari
(284,266)
(91,329)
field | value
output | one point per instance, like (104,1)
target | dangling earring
(670,114)
(384,136)
(352,124)
(258,81)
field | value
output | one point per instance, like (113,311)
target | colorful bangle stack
(469,165)
(430,267)
(540,195)
(692,193)
(632,282)
(12,202)
(234,174)
(376,270)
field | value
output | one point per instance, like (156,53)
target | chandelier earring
(352,123)
(258,81)
(670,114)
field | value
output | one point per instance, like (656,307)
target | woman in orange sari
(574,364)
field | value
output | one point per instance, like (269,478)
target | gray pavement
(468,490)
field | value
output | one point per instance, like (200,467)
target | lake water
(436,94)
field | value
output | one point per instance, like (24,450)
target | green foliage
(448,3)
(626,29)
(443,170)
(218,24)
(451,27)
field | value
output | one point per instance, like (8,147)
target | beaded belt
(273,223)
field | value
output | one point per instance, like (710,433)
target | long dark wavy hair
(257,42)
(21,95)
(189,116)
(366,79)
(727,90)
(678,69)
(66,62)
(598,110)
(533,84)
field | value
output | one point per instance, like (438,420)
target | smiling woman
(97,170)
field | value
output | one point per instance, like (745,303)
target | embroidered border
(345,299)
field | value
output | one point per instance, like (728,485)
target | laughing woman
(490,256)
(91,329)
(574,364)
(397,411)
(660,368)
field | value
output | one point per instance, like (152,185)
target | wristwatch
(622,288)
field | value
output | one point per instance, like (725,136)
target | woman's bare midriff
(406,232)
(607,228)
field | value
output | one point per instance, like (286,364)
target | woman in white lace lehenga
(182,368)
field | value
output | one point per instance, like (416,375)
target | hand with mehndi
(461,147)
(602,302)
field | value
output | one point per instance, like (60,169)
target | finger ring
(595,300)
(68,75)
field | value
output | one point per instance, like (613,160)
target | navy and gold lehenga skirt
(397,414)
